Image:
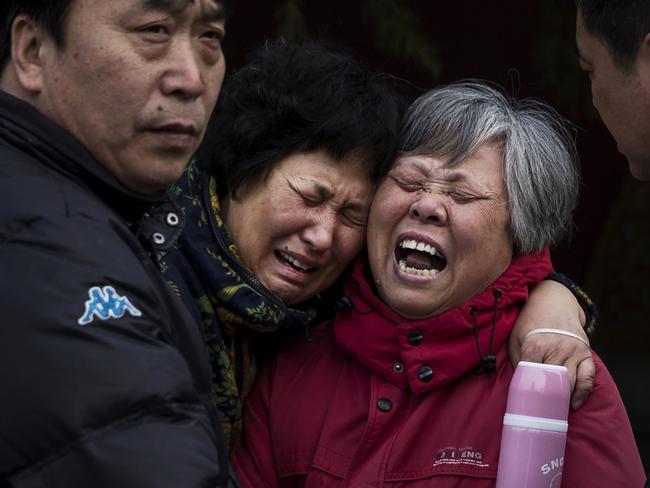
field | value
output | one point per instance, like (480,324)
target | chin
(154,179)
(415,315)
(411,309)
(164,178)
(288,296)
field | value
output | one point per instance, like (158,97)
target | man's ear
(26,53)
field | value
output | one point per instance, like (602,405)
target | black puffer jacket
(111,392)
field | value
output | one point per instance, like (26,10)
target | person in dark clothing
(613,41)
(103,373)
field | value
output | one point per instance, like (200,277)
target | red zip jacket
(375,400)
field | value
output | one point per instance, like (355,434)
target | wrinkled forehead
(213,9)
(208,9)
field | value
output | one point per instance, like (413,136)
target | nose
(184,75)
(319,235)
(429,208)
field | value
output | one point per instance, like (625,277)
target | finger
(572,369)
(586,372)
(571,358)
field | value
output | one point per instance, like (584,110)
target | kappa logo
(104,303)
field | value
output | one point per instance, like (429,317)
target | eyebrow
(214,12)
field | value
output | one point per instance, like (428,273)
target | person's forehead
(431,166)
(487,158)
(178,4)
(209,8)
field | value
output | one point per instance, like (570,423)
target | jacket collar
(26,128)
(428,354)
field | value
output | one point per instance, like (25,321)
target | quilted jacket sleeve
(105,401)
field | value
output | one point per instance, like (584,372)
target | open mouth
(293,262)
(419,258)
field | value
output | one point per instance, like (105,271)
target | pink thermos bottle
(534,427)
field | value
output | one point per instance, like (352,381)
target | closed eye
(353,220)
(310,199)
(406,184)
(312,194)
(461,197)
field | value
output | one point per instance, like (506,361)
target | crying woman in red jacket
(400,390)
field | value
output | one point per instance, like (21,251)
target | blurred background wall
(527,47)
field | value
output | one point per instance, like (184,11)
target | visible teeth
(415,271)
(407,244)
(418,246)
(295,262)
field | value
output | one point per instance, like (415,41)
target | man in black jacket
(103,374)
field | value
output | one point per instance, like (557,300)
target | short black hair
(300,97)
(52,15)
(621,24)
